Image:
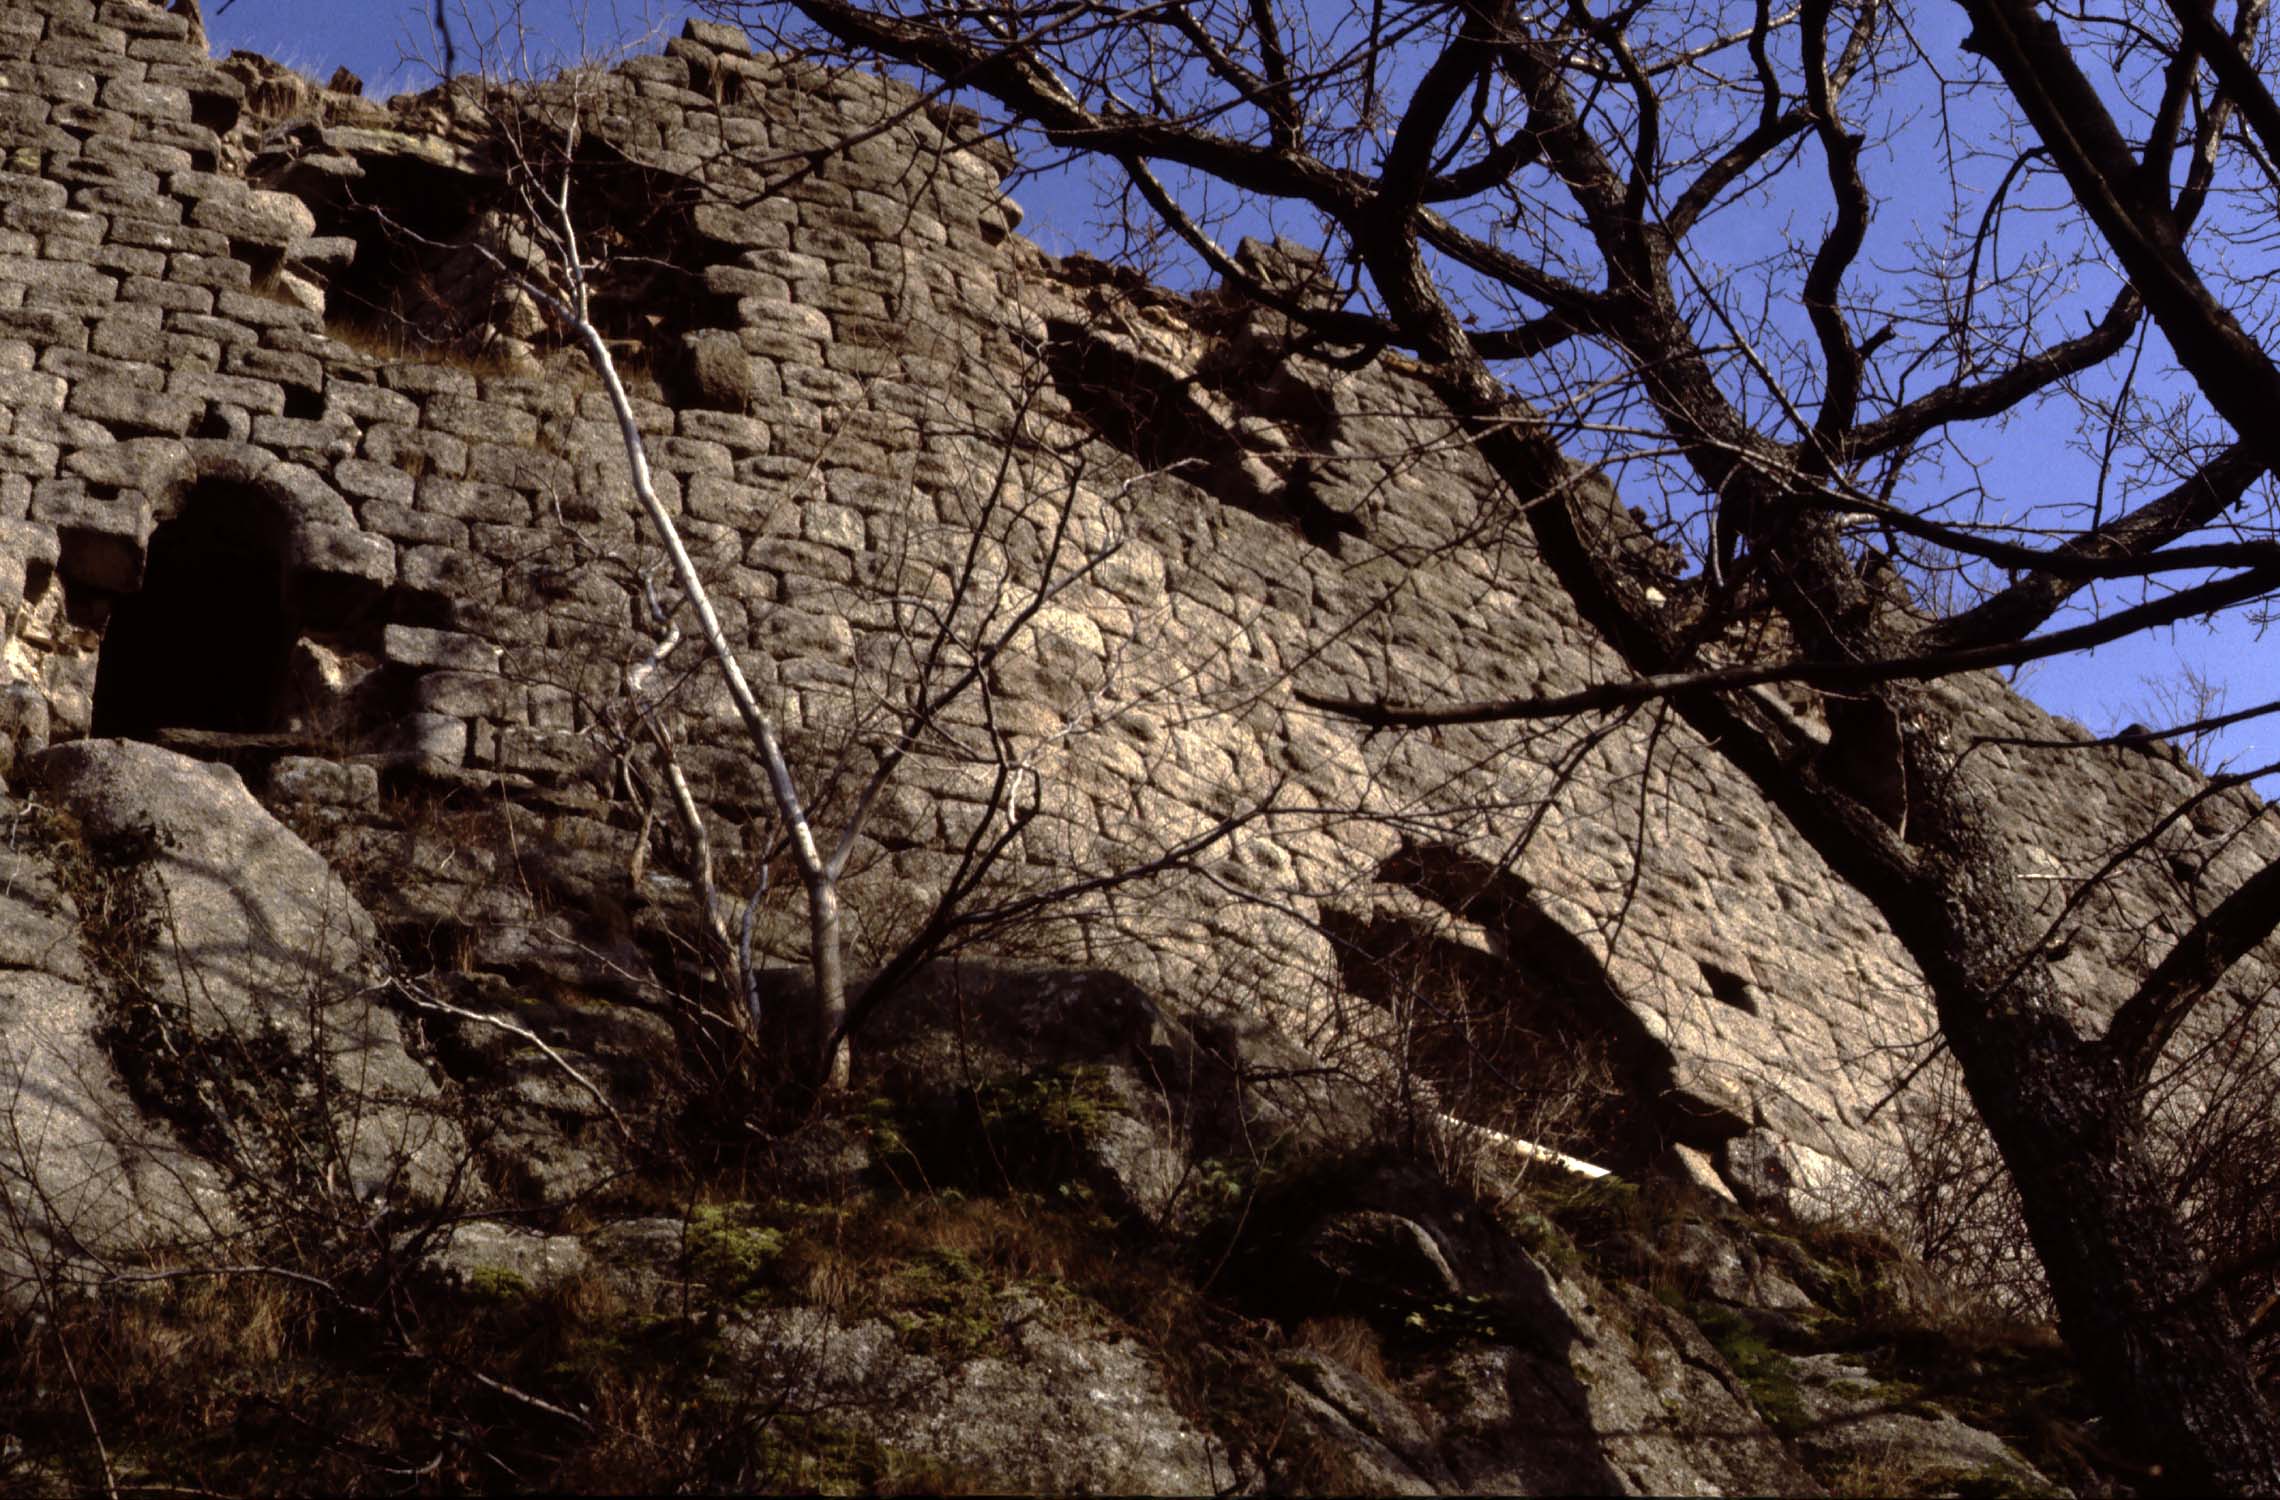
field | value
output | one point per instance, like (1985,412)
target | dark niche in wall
(204,643)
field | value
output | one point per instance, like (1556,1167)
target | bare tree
(957,613)
(1552,210)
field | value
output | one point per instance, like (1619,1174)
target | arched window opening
(204,643)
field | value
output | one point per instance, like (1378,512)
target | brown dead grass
(1349,1341)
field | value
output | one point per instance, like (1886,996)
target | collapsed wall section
(265,348)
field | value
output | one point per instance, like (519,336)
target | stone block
(304,495)
(267,219)
(129,408)
(166,295)
(216,272)
(479,421)
(259,397)
(441,570)
(26,547)
(48,327)
(27,390)
(338,552)
(468,695)
(463,500)
(144,101)
(415,450)
(429,380)
(738,434)
(371,481)
(32,192)
(173,238)
(325,442)
(680,455)
(400,522)
(296,370)
(22,456)
(312,782)
(146,464)
(257,311)
(719,36)
(365,404)
(414,646)
(526,469)
(430,737)
(100,543)
(741,228)
(552,752)
(60,283)
(719,373)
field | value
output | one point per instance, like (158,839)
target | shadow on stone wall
(1525,1032)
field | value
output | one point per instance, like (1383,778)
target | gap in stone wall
(1535,1026)
(418,286)
(1154,417)
(204,643)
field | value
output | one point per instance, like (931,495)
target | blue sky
(391,44)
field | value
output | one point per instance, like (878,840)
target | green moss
(1455,1320)
(1763,1370)
(1070,1104)
(881,1120)
(948,1307)
(731,1254)
(497,1284)
(1904,1396)
(1542,1238)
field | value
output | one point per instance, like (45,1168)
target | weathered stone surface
(260,951)
(1063,1410)
(91,1179)
(262,218)
(1896,1440)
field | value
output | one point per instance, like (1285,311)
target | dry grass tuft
(1351,1342)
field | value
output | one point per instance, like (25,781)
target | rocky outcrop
(980,1276)
(260,972)
(88,1178)
(198,1029)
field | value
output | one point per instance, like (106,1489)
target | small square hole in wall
(1730,988)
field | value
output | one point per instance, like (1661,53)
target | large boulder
(246,996)
(86,1180)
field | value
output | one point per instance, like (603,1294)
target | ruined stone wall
(885,419)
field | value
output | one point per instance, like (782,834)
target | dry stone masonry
(286,464)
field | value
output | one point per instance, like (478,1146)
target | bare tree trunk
(833,1062)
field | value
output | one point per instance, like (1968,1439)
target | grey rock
(131,409)
(1893,1440)
(261,218)
(719,372)
(313,782)
(1067,1408)
(260,952)
(1379,1443)
(480,1249)
(1759,1170)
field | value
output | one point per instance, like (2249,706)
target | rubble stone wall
(886,421)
